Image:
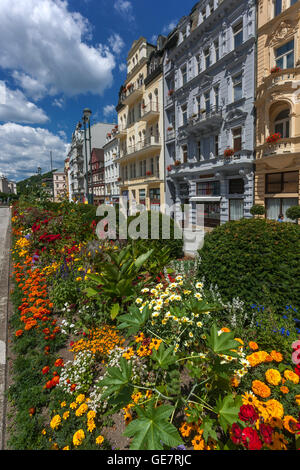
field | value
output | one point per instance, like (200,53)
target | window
(277,7)
(217,50)
(282,182)
(184,114)
(152,166)
(236,209)
(284,55)
(198,100)
(282,123)
(199,156)
(203,14)
(211,7)
(142,196)
(210,188)
(216,145)
(237,139)
(237,87)
(207,102)
(293,2)
(206,58)
(184,153)
(238,34)
(216,90)
(157,166)
(276,206)
(198,64)
(236,186)
(184,75)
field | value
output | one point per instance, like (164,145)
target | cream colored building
(278,106)
(59,185)
(140,127)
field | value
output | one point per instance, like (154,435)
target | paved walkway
(4,294)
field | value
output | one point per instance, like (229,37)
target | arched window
(282,123)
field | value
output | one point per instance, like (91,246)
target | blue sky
(58,57)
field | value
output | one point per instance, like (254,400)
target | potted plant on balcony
(177,162)
(119,179)
(273,138)
(169,168)
(275,69)
(170,128)
(149,173)
(170,92)
(228,152)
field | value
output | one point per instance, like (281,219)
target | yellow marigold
(66,415)
(297,398)
(99,440)
(257,358)
(81,410)
(284,389)
(91,414)
(273,376)
(80,398)
(73,405)
(78,437)
(290,375)
(260,389)
(55,422)
(253,345)
(289,423)
(63,404)
(275,408)
(66,448)
(276,356)
(91,425)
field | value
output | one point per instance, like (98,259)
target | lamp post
(86,120)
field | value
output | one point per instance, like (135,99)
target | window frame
(284,56)
(282,182)
(235,86)
(237,32)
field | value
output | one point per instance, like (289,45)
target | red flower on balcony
(170,92)
(119,179)
(275,69)
(148,173)
(177,162)
(272,139)
(170,129)
(169,168)
(228,152)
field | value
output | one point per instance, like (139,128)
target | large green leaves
(134,320)
(117,385)
(152,429)
(228,409)
(223,343)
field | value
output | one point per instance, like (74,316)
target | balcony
(150,112)
(169,100)
(278,148)
(205,120)
(170,134)
(133,92)
(143,147)
(283,79)
(121,133)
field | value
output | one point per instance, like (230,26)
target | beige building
(278,106)
(140,127)
(59,185)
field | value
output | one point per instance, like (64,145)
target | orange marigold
(261,389)
(273,376)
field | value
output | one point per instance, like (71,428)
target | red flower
(266,432)
(45,370)
(250,439)
(32,411)
(248,413)
(59,363)
(236,433)
(73,386)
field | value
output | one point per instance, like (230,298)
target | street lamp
(86,120)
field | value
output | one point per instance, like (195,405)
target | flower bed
(101,330)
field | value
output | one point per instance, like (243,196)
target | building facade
(140,128)
(6,186)
(278,106)
(209,83)
(111,167)
(59,185)
(96,186)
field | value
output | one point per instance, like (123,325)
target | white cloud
(116,43)
(58,102)
(42,43)
(109,109)
(124,7)
(122,67)
(169,27)
(24,148)
(17,108)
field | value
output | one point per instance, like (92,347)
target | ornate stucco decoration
(284,30)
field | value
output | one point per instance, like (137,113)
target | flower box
(275,69)
(272,139)
(228,152)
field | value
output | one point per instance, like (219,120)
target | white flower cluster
(67,327)
(78,372)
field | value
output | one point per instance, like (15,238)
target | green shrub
(257,260)
(257,209)
(293,212)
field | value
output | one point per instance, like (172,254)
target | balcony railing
(143,146)
(150,111)
(132,93)
(283,146)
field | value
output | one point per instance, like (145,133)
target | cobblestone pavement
(4,294)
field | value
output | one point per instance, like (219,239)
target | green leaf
(117,378)
(114,311)
(164,357)
(152,428)
(142,259)
(90,292)
(228,409)
(208,428)
(134,320)
(223,343)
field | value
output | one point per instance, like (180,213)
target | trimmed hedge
(257,260)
